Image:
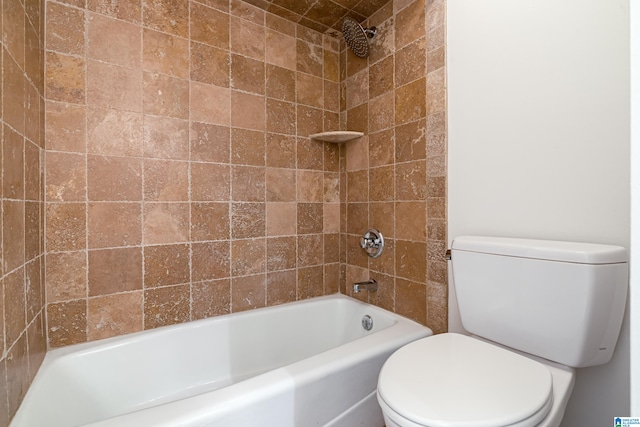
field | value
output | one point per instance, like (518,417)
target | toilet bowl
(457,380)
(535,311)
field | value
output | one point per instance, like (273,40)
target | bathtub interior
(96,381)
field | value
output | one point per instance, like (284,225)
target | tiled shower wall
(22,334)
(180,179)
(181,183)
(396,175)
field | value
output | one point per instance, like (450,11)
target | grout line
(189,169)
(142,174)
(86,168)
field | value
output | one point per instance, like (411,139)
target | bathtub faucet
(369,285)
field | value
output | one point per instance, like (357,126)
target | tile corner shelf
(337,137)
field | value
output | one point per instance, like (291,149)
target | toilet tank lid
(577,252)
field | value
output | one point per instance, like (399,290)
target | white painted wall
(635,207)
(539,142)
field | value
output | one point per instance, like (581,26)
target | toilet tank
(562,301)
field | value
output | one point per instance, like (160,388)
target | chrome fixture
(356,36)
(370,285)
(367,322)
(372,242)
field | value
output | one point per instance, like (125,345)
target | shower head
(356,36)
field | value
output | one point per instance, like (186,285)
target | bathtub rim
(109,342)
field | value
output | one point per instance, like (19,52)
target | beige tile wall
(212,207)
(22,333)
(394,179)
(180,182)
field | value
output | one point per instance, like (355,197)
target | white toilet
(536,309)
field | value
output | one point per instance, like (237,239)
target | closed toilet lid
(455,380)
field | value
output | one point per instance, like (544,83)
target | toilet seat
(455,380)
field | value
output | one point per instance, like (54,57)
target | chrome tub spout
(369,285)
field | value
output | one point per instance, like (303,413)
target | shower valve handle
(367,243)
(372,242)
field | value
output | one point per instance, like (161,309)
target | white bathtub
(308,363)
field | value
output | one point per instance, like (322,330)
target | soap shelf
(337,137)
